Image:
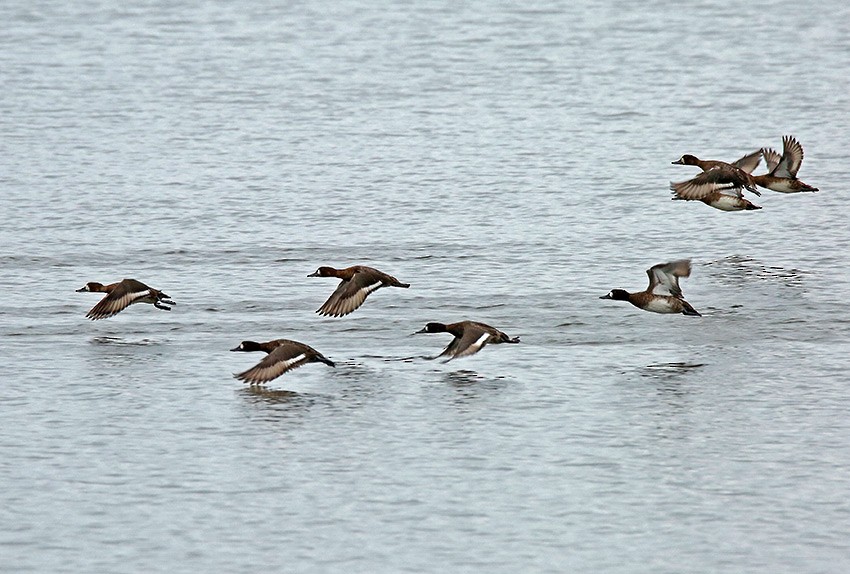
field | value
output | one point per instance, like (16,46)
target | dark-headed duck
(283,355)
(782,174)
(357,282)
(469,337)
(663,294)
(121,295)
(748,163)
(714,179)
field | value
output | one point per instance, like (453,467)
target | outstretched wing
(771,158)
(473,340)
(350,294)
(664,277)
(714,179)
(749,163)
(279,361)
(124,294)
(792,157)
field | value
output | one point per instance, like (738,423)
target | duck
(357,283)
(722,178)
(722,198)
(782,174)
(121,295)
(663,294)
(469,337)
(283,355)
(748,163)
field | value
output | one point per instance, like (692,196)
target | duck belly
(784,186)
(728,203)
(664,305)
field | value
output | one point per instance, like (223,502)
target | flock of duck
(720,185)
(283,355)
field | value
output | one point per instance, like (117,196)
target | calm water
(512,164)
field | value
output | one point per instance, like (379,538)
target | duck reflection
(276,405)
(471,385)
(668,377)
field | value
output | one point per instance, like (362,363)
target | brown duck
(283,355)
(357,283)
(121,295)
(663,294)
(469,337)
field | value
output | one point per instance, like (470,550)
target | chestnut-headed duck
(748,163)
(663,294)
(357,282)
(469,337)
(782,174)
(121,295)
(283,355)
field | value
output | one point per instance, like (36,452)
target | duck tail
(690,311)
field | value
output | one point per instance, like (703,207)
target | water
(512,164)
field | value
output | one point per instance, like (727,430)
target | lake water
(512,163)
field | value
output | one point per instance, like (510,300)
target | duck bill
(313,274)
(419,332)
(678,162)
(608,296)
(236,349)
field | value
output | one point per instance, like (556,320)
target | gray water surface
(511,162)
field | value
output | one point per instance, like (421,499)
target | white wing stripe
(140,294)
(480,342)
(289,362)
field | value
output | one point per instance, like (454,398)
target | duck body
(723,179)
(282,355)
(121,295)
(663,294)
(357,282)
(725,200)
(736,174)
(469,337)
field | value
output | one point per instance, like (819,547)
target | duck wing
(749,162)
(714,179)
(664,277)
(473,340)
(122,296)
(792,157)
(350,294)
(771,158)
(286,357)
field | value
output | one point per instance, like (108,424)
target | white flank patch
(781,187)
(727,203)
(369,288)
(660,306)
(292,361)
